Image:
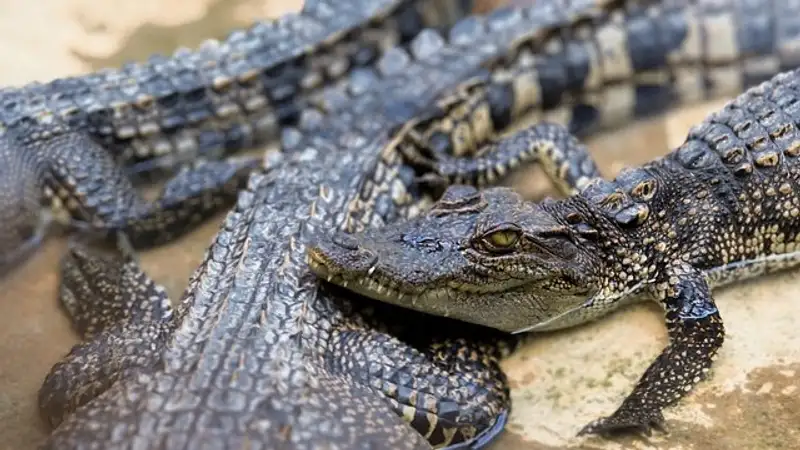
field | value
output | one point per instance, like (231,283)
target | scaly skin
(72,142)
(705,51)
(722,207)
(641,76)
(257,351)
(253,307)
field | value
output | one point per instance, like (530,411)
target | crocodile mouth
(375,284)
(369,284)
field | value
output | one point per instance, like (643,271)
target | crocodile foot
(626,420)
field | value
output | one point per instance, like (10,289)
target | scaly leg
(564,158)
(77,174)
(195,194)
(696,333)
(456,141)
(123,316)
(23,225)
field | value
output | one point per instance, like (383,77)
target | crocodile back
(227,94)
(729,193)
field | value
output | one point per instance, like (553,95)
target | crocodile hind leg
(77,174)
(197,192)
(95,190)
(123,316)
(563,157)
(450,388)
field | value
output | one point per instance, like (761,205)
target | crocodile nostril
(345,240)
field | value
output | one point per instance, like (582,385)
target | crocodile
(258,352)
(74,143)
(153,124)
(722,207)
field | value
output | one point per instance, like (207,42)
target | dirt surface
(560,380)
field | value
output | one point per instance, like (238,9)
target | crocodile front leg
(123,317)
(565,160)
(696,333)
(193,195)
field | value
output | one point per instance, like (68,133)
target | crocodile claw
(626,421)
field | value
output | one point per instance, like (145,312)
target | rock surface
(560,380)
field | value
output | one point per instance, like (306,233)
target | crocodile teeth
(371,270)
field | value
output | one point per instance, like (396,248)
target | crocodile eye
(501,240)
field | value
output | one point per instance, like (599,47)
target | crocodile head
(487,257)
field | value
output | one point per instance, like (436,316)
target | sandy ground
(560,380)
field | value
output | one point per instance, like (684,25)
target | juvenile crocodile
(258,352)
(722,207)
(70,142)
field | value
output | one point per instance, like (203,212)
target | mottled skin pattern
(73,142)
(722,207)
(650,56)
(258,351)
(237,93)
(257,354)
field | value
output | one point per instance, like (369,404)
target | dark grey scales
(72,142)
(258,352)
(146,114)
(722,207)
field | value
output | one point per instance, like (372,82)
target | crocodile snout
(343,254)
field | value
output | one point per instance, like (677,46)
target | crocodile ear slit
(459,198)
(579,224)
